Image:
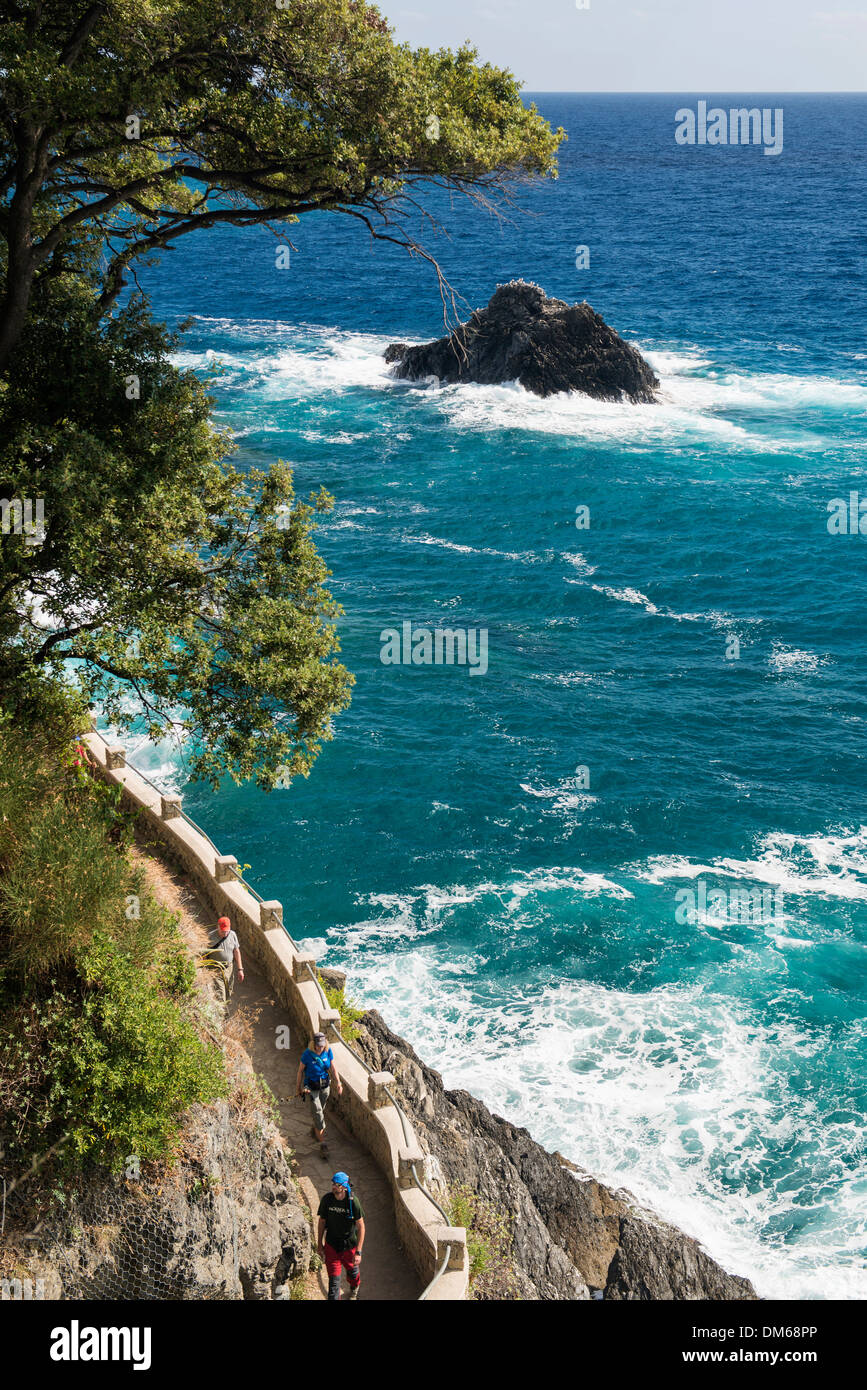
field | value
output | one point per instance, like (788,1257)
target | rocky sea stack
(545,344)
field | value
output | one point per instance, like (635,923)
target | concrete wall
(364,1109)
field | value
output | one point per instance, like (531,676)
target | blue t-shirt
(317,1066)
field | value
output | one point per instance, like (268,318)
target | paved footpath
(255,1015)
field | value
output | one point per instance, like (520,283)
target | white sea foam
(677,1095)
(526,557)
(290,361)
(566,677)
(563,798)
(343,437)
(578,562)
(627,596)
(824,865)
(791,661)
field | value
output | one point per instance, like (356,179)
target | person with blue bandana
(340,1236)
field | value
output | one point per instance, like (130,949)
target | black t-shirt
(341,1232)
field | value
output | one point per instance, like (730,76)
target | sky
(653,45)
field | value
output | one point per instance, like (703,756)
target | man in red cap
(225,952)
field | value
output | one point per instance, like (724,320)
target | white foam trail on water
(526,557)
(578,562)
(626,596)
(723,621)
(825,865)
(565,797)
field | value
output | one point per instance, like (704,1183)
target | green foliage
(247,112)
(180,588)
(489,1245)
(349,1015)
(99,1055)
(204,594)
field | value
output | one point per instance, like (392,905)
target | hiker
(315,1071)
(80,761)
(225,953)
(340,1236)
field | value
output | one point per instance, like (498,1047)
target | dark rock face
(545,344)
(656,1261)
(226,1223)
(570,1233)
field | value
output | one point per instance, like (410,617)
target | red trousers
(334,1259)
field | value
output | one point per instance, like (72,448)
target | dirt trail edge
(386,1273)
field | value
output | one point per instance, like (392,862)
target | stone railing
(368,1108)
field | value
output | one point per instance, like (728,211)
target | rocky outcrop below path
(545,344)
(225,1223)
(572,1237)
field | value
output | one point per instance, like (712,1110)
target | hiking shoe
(353,1293)
(323,1150)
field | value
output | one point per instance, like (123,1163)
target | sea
(616,883)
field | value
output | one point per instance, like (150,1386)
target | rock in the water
(545,344)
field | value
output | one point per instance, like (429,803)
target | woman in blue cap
(341,1236)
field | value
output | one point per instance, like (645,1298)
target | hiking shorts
(334,1259)
(319,1100)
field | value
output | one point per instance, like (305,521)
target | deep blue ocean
(516,919)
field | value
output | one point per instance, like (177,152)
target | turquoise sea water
(521,928)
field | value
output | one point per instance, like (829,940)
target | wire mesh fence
(188,1231)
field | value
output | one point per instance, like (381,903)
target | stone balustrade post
(223,866)
(407,1159)
(270,914)
(170,807)
(329,1023)
(456,1237)
(300,965)
(376,1084)
(115,756)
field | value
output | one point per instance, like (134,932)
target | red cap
(224,924)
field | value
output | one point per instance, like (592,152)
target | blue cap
(342,1179)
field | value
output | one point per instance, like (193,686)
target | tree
(163,574)
(160,572)
(130,123)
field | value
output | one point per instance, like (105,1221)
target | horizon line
(682,92)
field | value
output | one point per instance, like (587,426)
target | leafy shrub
(99,1054)
(349,1015)
(489,1245)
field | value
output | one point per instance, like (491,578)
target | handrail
(404,1119)
(318,984)
(439,1274)
(444,1214)
(399,1109)
(204,836)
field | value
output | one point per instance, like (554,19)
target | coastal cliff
(224,1222)
(572,1237)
